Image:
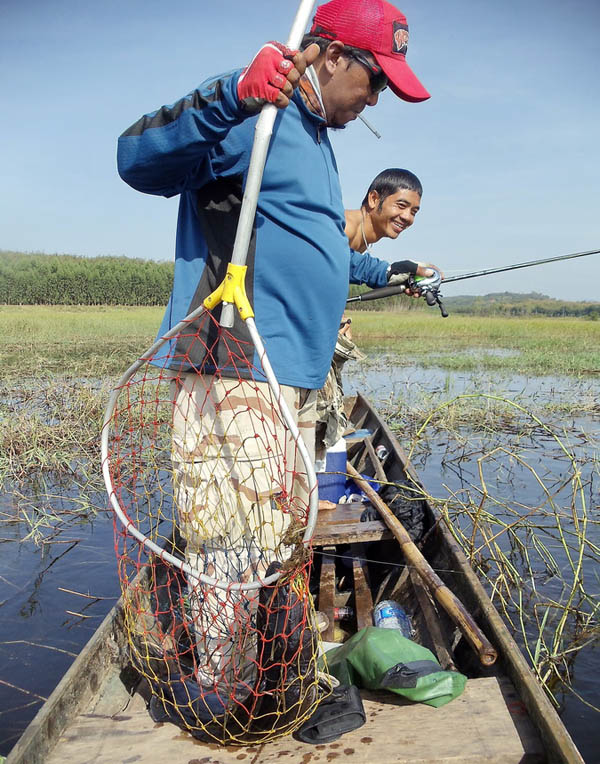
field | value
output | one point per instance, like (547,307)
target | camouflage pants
(232,459)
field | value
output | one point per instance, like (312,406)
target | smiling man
(389,207)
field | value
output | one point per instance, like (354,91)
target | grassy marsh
(40,341)
(59,363)
(464,343)
(101,341)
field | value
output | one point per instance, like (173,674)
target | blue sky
(508,147)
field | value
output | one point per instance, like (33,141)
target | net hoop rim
(287,417)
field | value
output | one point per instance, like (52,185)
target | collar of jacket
(305,94)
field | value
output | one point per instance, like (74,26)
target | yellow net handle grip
(232,290)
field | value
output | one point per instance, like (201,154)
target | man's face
(395,213)
(347,93)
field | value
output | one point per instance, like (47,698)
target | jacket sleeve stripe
(167,114)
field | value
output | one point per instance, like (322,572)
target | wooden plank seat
(341,526)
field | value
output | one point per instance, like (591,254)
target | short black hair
(325,42)
(391,180)
(309,39)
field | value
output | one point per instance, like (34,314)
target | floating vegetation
(518,496)
(49,454)
(50,472)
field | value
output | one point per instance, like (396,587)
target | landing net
(202,464)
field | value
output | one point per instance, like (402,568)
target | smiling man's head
(392,201)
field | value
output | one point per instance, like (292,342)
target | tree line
(40,279)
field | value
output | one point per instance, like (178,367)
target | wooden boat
(98,712)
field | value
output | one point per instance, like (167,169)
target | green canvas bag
(377,658)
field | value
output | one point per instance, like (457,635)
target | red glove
(262,81)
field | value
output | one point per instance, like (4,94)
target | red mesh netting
(203,465)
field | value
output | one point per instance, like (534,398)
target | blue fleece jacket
(299,261)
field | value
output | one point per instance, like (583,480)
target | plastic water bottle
(381,452)
(390,615)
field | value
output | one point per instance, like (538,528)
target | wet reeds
(49,454)
(519,494)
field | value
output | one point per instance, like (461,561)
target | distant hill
(517,304)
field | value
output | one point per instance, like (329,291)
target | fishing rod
(429,286)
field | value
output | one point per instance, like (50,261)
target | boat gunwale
(95,660)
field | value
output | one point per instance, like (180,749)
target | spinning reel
(429,288)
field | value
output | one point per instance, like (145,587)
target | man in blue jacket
(299,261)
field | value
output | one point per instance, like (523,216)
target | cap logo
(400,42)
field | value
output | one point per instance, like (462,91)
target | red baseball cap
(378,27)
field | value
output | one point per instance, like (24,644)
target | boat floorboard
(486,723)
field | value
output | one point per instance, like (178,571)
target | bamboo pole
(413,556)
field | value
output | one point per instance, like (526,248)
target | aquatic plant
(521,507)
(49,453)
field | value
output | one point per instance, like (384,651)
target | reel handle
(429,287)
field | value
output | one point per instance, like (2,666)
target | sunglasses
(379,81)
